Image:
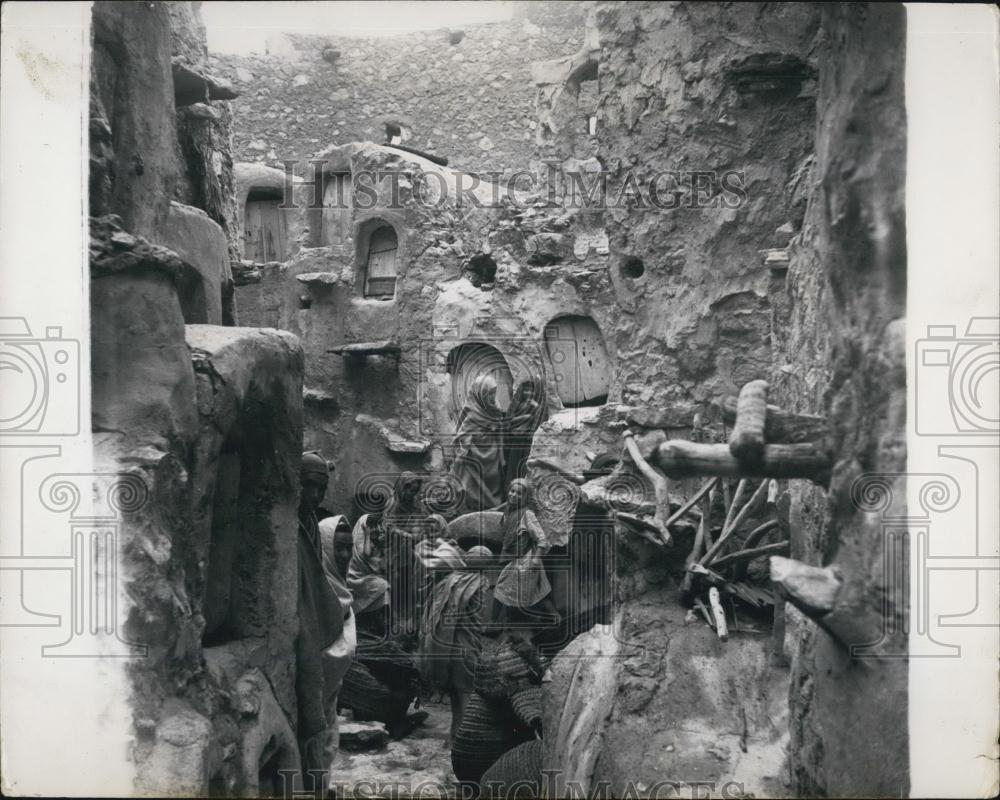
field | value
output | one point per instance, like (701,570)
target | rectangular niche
(241,552)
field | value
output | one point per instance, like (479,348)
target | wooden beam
(364,349)
(682,459)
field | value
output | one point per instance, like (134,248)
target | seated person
(523,592)
(383,680)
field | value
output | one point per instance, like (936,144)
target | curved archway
(579,359)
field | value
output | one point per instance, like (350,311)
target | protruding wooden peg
(746,442)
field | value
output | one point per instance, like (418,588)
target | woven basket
(526,703)
(516,774)
(485,733)
(500,669)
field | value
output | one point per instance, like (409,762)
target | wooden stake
(740,518)
(731,510)
(699,543)
(661,487)
(759,532)
(718,613)
(704,612)
(680,512)
(778,548)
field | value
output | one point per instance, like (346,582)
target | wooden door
(380,273)
(263,230)
(579,360)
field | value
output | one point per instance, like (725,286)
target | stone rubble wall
(472,102)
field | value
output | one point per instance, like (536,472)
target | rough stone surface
(245,480)
(131,72)
(843,340)
(142,380)
(701,312)
(179,437)
(671,703)
(458,96)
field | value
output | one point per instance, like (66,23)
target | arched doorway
(579,360)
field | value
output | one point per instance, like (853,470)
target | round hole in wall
(633,268)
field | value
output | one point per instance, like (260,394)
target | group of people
(392,606)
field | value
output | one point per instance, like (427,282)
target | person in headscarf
(336,544)
(527,412)
(455,620)
(321,623)
(523,592)
(366,574)
(478,448)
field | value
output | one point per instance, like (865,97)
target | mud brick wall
(472,101)
(843,355)
(701,88)
(207,710)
